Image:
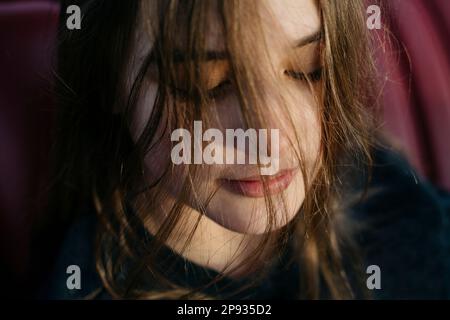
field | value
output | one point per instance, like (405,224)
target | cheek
(312,132)
(158,157)
(309,120)
(302,125)
(157,160)
(142,112)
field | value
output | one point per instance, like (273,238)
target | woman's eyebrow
(316,36)
(179,56)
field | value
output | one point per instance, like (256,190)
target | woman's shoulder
(74,274)
(405,230)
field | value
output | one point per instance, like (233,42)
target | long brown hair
(98,166)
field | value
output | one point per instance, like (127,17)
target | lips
(253,186)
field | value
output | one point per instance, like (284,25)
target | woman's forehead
(290,20)
(281,20)
(296,19)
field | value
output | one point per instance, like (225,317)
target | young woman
(343,216)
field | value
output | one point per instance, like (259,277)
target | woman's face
(238,203)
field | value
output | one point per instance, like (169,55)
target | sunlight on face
(290,30)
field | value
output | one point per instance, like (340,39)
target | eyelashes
(313,76)
(225,87)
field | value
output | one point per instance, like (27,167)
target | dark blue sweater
(406,234)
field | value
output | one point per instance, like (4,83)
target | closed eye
(222,89)
(313,76)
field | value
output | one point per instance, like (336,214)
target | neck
(204,242)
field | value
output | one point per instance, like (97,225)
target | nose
(275,114)
(269,112)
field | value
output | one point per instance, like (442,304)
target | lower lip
(255,188)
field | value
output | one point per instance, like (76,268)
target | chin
(248,215)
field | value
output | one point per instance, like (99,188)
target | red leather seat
(27,38)
(417,94)
(418,116)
